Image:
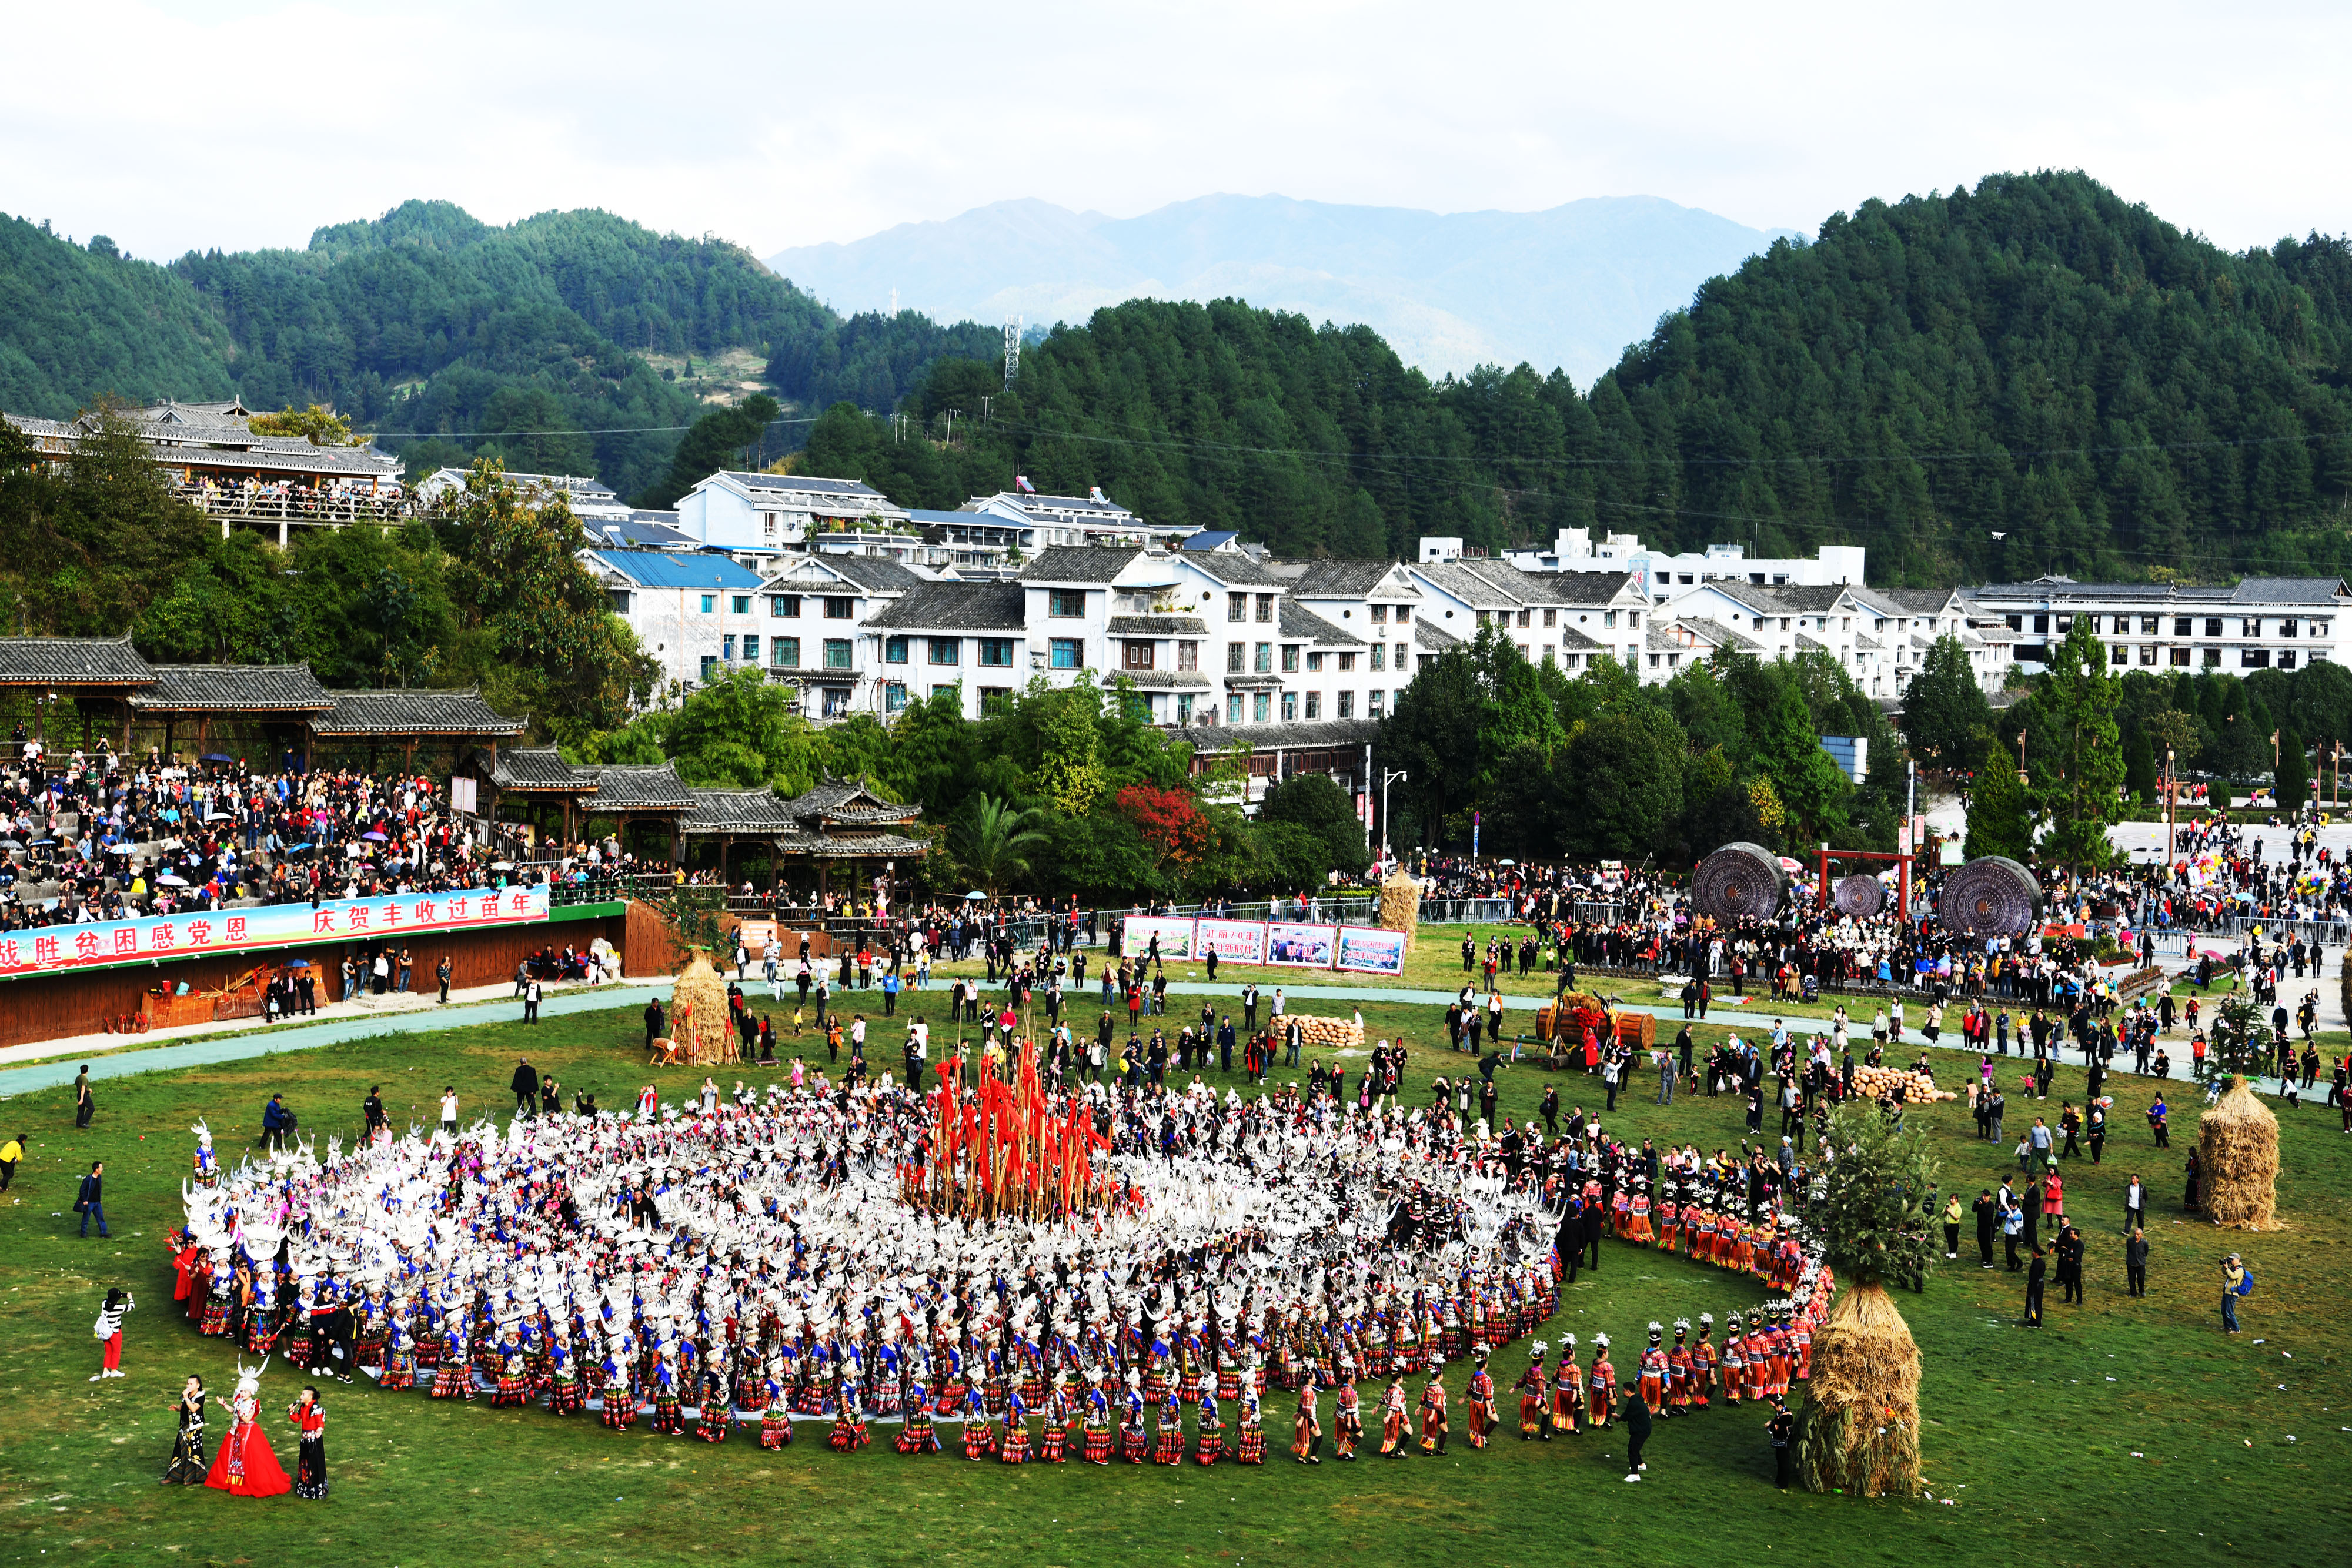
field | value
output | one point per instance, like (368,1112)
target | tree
(996,842)
(1314,802)
(1169,823)
(1619,786)
(1069,770)
(1999,819)
(717,439)
(318,427)
(2294,773)
(1789,753)
(1859,1432)
(2139,766)
(2077,759)
(1943,709)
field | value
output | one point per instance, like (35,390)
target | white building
(591,499)
(1564,617)
(2262,624)
(777,512)
(695,614)
(818,609)
(1664,576)
(1092,519)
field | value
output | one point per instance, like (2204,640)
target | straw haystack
(1859,1431)
(1400,906)
(2237,1149)
(698,1012)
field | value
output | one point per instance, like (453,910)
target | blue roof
(667,569)
(1208,542)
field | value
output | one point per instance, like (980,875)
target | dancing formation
(1064,1274)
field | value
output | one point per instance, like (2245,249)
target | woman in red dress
(246,1465)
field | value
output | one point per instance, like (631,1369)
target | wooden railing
(295,505)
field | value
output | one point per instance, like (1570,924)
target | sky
(236,124)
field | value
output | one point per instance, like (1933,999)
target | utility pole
(1387,777)
(1011,350)
(2170,794)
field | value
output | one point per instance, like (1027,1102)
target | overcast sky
(239,123)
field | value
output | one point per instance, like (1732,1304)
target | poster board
(1175,935)
(1372,950)
(1300,946)
(1233,941)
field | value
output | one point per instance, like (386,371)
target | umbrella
(373,837)
(217,816)
(12,843)
(502,865)
(216,756)
(1506,862)
(975,893)
(171,879)
(1795,868)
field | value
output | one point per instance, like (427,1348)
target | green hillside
(80,322)
(2036,359)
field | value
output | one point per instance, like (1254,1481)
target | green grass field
(2124,1429)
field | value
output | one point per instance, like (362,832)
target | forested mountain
(2032,376)
(572,341)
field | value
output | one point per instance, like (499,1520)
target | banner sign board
(1301,946)
(46,949)
(1175,936)
(1234,941)
(1372,950)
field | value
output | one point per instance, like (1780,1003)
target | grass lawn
(2033,1433)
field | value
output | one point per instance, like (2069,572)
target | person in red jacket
(309,1418)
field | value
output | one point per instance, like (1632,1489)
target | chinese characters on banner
(46,950)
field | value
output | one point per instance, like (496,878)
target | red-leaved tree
(1168,821)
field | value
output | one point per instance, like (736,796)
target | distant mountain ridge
(1567,287)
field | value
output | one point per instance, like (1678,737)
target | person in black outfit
(655,1022)
(372,1110)
(2069,1264)
(1987,1212)
(1592,1236)
(1782,1430)
(1637,1432)
(526,1088)
(2135,1263)
(2034,1278)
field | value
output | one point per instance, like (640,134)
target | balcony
(285,503)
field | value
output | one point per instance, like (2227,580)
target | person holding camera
(108,1330)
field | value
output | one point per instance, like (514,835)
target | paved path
(203,1052)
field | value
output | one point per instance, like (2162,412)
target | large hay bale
(2237,1149)
(1859,1431)
(700,1002)
(1400,906)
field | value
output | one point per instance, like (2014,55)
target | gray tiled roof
(540,768)
(1165,680)
(1586,588)
(78,660)
(640,787)
(1348,578)
(2288,589)
(234,688)
(737,812)
(1436,639)
(1234,568)
(1297,621)
(875,573)
(1575,642)
(1158,626)
(1078,563)
(400,713)
(1280,736)
(805,483)
(826,846)
(1815,599)
(956,607)
(1922,601)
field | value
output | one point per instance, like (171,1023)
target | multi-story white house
(1547,615)
(2261,624)
(695,612)
(591,501)
(819,608)
(776,512)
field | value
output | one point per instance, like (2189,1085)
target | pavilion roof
(234,688)
(405,712)
(72,661)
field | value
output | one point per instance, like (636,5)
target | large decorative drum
(1739,880)
(1859,897)
(1991,896)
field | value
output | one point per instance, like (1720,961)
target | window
(1236,606)
(1069,603)
(1523,653)
(1261,706)
(2254,658)
(946,650)
(2286,659)
(1372,703)
(1380,656)
(1290,658)
(836,652)
(1138,653)
(1347,705)
(2042,624)
(2120,654)
(2212,658)
(1401,657)
(1290,706)
(894,698)
(1632,619)
(620,598)
(709,604)
(2148,625)
(768,525)
(2147,653)
(2212,626)
(1380,614)
(784,652)
(784,605)
(2181,657)
(1551,618)
(710,663)
(1265,606)
(1404,614)
(1314,704)
(944,691)
(1348,661)
(2065,624)
(1233,708)
(1264,662)
(997,651)
(2286,627)
(727,648)
(1183,707)
(1314,663)
(750,649)
(894,650)
(1610,618)
(741,604)
(1234,652)
(2123,625)
(1187,655)
(1526,617)
(1068,653)
(991,698)
(839,609)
